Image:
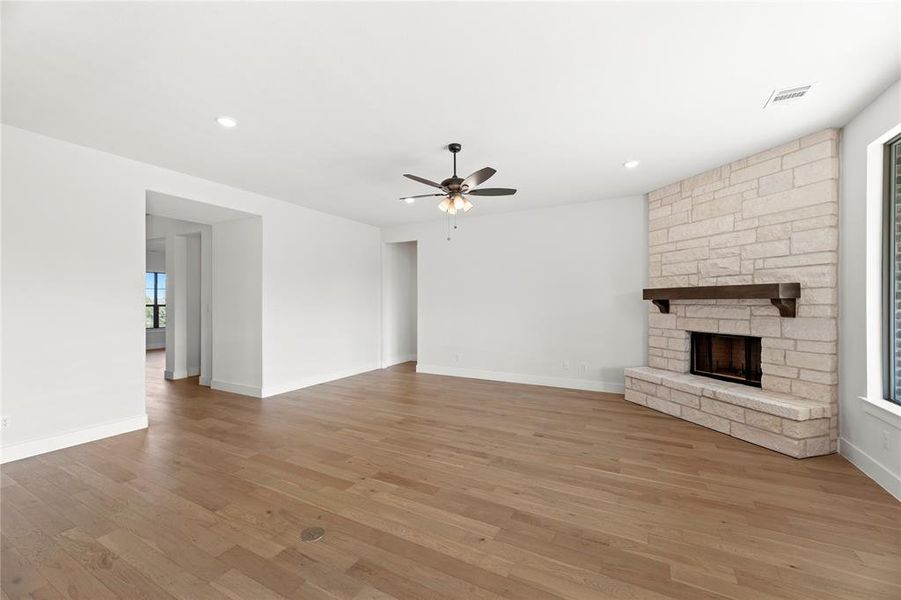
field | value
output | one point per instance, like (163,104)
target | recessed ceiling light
(631,164)
(409,200)
(228,122)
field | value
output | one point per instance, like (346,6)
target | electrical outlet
(457,357)
(583,369)
(566,365)
(4,422)
(884,439)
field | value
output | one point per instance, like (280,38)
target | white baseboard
(274,390)
(236,388)
(174,375)
(396,360)
(871,467)
(206,381)
(71,438)
(152,346)
(192,372)
(591,385)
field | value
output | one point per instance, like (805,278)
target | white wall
(870,432)
(321,289)
(193,305)
(73,258)
(237,313)
(176,307)
(549,296)
(155,261)
(155,339)
(73,228)
(399,311)
(183,304)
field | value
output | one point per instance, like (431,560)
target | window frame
(891,201)
(156,298)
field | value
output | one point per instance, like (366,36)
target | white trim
(236,388)
(396,360)
(875,200)
(205,381)
(274,390)
(72,438)
(885,411)
(546,380)
(871,467)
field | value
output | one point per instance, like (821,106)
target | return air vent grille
(788,95)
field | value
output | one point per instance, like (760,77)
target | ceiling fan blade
(422,196)
(423,180)
(478,177)
(492,192)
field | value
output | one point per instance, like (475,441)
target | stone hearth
(768,218)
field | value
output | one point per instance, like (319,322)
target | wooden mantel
(782,295)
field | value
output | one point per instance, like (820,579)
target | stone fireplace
(770,218)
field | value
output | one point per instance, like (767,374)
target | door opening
(400,311)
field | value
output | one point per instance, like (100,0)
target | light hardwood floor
(435,487)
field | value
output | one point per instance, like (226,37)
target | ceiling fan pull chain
(448,226)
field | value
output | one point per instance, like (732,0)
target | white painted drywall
(237,314)
(155,339)
(183,305)
(193,343)
(74,228)
(176,307)
(321,290)
(73,258)
(156,260)
(870,435)
(548,296)
(398,303)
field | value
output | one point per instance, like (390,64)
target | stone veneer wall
(770,217)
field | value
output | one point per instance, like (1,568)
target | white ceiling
(336,101)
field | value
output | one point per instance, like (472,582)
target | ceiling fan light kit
(456,189)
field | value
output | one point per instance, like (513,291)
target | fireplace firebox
(733,358)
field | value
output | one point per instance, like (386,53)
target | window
(892,270)
(154,300)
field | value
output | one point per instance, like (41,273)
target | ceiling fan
(455,189)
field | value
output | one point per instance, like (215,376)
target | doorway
(210,328)
(176,288)
(400,303)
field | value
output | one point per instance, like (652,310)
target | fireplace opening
(733,358)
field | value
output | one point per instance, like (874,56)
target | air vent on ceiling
(787,95)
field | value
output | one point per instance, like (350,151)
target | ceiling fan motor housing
(452,183)
(454,147)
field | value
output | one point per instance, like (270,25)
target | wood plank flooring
(433,487)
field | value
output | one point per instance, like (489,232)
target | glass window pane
(148,280)
(148,296)
(161,281)
(148,317)
(893,232)
(161,296)
(162,316)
